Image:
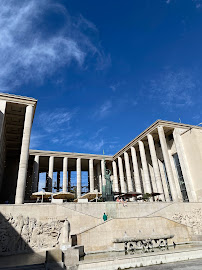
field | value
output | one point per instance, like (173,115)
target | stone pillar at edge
(155,167)
(78,171)
(24,156)
(64,184)
(167,163)
(91,175)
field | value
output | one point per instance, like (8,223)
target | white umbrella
(41,194)
(90,196)
(64,195)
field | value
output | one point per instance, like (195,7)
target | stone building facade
(165,158)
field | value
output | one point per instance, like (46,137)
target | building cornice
(68,154)
(18,99)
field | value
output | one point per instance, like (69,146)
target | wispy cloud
(36,139)
(114,86)
(104,109)
(54,127)
(198,3)
(94,145)
(56,120)
(29,51)
(173,89)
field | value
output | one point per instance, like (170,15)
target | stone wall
(86,218)
(19,234)
(101,237)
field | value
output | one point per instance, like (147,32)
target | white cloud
(104,109)
(173,89)
(94,145)
(29,50)
(55,121)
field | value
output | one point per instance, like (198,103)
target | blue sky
(102,71)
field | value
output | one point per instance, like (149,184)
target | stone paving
(185,265)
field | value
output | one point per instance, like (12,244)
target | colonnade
(131,170)
(66,185)
(137,174)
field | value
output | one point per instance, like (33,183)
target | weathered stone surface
(22,234)
(192,219)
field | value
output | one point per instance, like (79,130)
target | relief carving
(22,234)
(192,219)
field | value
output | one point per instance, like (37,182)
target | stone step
(25,267)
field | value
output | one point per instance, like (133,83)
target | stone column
(155,166)
(58,181)
(24,156)
(167,163)
(121,175)
(146,182)
(78,170)
(103,172)
(2,139)
(152,177)
(115,176)
(136,170)
(128,172)
(164,182)
(65,164)
(69,181)
(46,182)
(50,173)
(99,177)
(35,175)
(91,175)
(2,113)
(184,166)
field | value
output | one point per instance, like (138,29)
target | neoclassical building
(165,158)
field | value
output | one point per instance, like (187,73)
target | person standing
(105,217)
